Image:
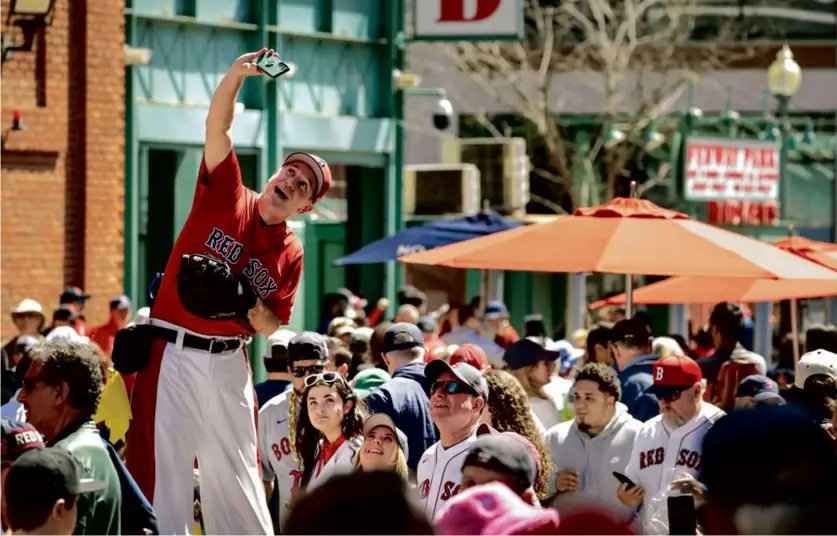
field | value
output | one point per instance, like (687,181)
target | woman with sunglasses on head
(329,429)
(384,447)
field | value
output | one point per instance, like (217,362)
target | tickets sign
(720,169)
(467,20)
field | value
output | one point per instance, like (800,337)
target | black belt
(213,346)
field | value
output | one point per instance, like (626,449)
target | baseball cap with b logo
(673,374)
(320,168)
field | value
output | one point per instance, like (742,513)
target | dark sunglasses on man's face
(301,372)
(671,397)
(452,388)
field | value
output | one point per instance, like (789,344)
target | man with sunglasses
(307,355)
(458,396)
(668,448)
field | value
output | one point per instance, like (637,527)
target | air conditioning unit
(441,189)
(504,169)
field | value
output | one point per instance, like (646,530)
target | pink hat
(494,509)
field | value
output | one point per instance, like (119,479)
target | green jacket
(98,511)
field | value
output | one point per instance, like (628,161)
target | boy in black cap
(405,397)
(17,438)
(42,490)
(501,458)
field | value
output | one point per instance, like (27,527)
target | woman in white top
(384,447)
(329,430)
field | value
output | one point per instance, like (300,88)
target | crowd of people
(449,422)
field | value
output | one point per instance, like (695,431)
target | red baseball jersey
(224,223)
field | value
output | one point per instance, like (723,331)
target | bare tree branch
(640,60)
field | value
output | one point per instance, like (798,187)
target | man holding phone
(668,448)
(195,393)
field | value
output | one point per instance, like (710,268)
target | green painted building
(340,103)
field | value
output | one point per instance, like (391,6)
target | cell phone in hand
(623,479)
(270,65)
(682,514)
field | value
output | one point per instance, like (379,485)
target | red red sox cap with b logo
(320,169)
(673,374)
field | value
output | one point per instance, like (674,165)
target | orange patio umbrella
(625,236)
(717,289)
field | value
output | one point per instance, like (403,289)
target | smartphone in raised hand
(271,65)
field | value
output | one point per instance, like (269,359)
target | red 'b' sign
(468,20)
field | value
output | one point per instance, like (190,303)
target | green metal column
(131,232)
(394,198)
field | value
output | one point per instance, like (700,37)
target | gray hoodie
(595,459)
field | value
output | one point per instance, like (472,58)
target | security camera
(443,114)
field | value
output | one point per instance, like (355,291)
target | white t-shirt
(548,410)
(439,474)
(275,447)
(343,461)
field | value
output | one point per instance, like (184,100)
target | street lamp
(784,76)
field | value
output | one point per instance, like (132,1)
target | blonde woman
(536,369)
(666,347)
(384,447)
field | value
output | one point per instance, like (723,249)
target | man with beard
(668,447)
(307,355)
(597,442)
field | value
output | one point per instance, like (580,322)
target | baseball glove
(208,289)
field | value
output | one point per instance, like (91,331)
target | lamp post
(784,76)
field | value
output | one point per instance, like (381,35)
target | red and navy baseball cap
(17,438)
(320,168)
(463,372)
(673,374)
(758,387)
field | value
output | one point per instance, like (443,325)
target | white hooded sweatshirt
(595,459)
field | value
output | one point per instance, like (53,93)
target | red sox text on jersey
(449,489)
(686,458)
(230,249)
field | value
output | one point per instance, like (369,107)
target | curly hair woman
(329,430)
(509,411)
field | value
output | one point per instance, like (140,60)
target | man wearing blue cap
(497,324)
(757,389)
(405,398)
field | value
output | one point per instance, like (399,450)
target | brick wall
(62,186)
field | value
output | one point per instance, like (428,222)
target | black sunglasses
(453,388)
(301,372)
(326,378)
(671,397)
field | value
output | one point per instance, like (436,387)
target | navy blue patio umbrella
(429,236)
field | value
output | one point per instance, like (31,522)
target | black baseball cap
(402,336)
(631,329)
(504,454)
(17,438)
(73,295)
(65,313)
(463,372)
(308,345)
(527,352)
(46,475)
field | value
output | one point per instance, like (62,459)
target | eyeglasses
(301,372)
(326,378)
(452,388)
(671,397)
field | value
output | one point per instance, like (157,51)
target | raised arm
(222,109)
